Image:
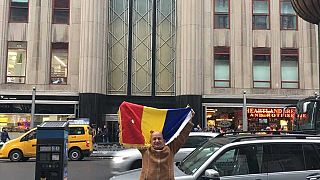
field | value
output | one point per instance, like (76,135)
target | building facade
(87,56)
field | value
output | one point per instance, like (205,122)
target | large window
(59,63)
(289,68)
(260,19)
(19,11)
(16,62)
(288,17)
(221,14)
(141,47)
(61,11)
(221,67)
(261,68)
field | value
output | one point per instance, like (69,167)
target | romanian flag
(136,122)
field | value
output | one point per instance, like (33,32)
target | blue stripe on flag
(174,119)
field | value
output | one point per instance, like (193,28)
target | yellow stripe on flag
(152,120)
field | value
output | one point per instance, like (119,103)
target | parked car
(249,157)
(128,159)
(24,147)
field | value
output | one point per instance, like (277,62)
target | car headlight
(119,159)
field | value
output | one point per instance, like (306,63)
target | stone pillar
(74,44)
(189,63)
(4,12)
(92,61)
(33,42)
(45,42)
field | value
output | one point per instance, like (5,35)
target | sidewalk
(105,149)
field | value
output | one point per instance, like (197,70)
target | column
(33,42)
(45,42)
(92,60)
(189,47)
(4,12)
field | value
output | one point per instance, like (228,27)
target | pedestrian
(4,135)
(105,134)
(99,135)
(199,128)
(157,160)
(215,129)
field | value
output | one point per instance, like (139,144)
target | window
(312,160)
(286,157)
(19,11)
(61,11)
(242,160)
(260,19)
(59,63)
(76,131)
(261,68)
(195,141)
(221,67)
(221,14)
(289,68)
(16,62)
(288,17)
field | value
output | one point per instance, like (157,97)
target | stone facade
(87,35)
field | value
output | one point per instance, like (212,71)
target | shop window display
(21,122)
(15,123)
(259,119)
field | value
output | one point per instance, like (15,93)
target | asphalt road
(87,169)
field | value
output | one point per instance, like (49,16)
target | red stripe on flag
(131,115)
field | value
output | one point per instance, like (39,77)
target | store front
(270,118)
(259,119)
(15,110)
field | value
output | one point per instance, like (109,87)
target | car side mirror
(178,163)
(211,174)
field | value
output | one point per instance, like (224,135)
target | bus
(307,118)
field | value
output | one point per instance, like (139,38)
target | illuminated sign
(271,113)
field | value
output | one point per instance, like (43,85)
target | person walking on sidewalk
(4,135)
(105,134)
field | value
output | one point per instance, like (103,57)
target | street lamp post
(33,105)
(244,113)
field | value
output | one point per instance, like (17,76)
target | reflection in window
(221,67)
(289,68)
(260,18)
(261,68)
(221,14)
(288,18)
(16,62)
(59,63)
(61,11)
(19,11)
(239,161)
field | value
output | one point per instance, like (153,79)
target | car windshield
(199,156)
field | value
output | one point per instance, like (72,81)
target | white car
(129,159)
(249,157)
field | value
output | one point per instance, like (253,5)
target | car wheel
(15,155)
(137,164)
(75,155)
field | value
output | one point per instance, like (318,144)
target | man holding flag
(157,133)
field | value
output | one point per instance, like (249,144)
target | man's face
(157,141)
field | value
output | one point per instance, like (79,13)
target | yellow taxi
(24,147)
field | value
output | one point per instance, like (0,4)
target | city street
(89,168)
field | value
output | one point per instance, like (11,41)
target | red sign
(271,113)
